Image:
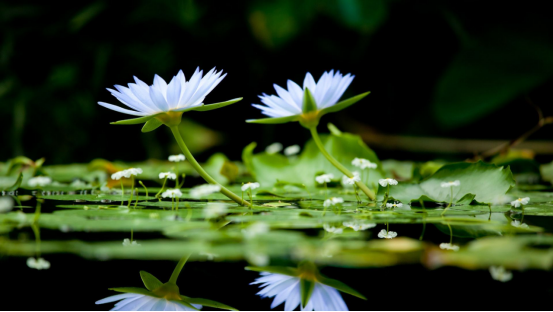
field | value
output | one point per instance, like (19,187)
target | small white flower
(333,201)
(39,181)
(132,172)
(256,229)
(38,264)
(273,148)
(517,224)
(387,181)
(250,185)
(387,234)
(520,201)
(359,225)
(324,178)
(127,243)
(79,184)
(286,289)
(292,150)
(177,158)
(168,175)
(500,274)
(394,205)
(209,256)
(174,193)
(6,204)
(448,246)
(363,163)
(204,190)
(451,183)
(214,210)
(332,229)
(139,302)
(351,181)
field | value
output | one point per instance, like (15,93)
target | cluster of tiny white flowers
(351,181)
(214,210)
(6,204)
(168,175)
(39,181)
(273,148)
(387,181)
(127,243)
(324,178)
(38,264)
(387,234)
(500,274)
(363,163)
(292,150)
(394,205)
(520,201)
(174,193)
(250,185)
(126,173)
(255,229)
(451,183)
(333,201)
(332,229)
(448,246)
(177,158)
(204,190)
(358,225)
(517,224)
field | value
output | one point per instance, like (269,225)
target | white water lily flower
(39,181)
(139,302)
(273,148)
(177,158)
(168,175)
(517,224)
(387,181)
(256,229)
(359,225)
(292,150)
(451,183)
(333,201)
(387,234)
(174,193)
(326,92)
(127,243)
(250,185)
(286,289)
(332,229)
(38,264)
(448,246)
(351,181)
(214,210)
(324,178)
(520,201)
(6,204)
(177,95)
(204,190)
(500,274)
(394,205)
(363,163)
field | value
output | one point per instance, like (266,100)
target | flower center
(170,118)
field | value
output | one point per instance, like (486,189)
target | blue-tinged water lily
(303,286)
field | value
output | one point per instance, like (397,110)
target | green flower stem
(386,196)
(450,234)
(178,269)
(36,230)
(423,219)
(338,165)
(450,202)
(132,191)
(201,171)
(161,190)
(122,192)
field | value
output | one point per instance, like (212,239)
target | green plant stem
(201,171)
(450,202)
(450,234)
(338,165)
(132,191)
(122,192)
(385,201)
(178,269)
(161,190)
(423,220)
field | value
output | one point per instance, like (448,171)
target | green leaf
(274,269)
(208,107)
(16,185)
(275,120)
(309,104)
(208,303)
(133,290)
(340,286)
(151,282)
(306,290)
(134,121)
(151,125)
(188,305)
(344,104)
